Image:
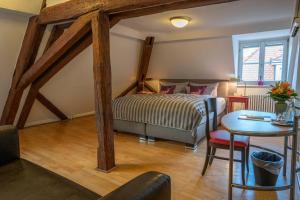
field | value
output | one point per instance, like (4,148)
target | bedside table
(237,99)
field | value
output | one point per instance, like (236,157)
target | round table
(236,126)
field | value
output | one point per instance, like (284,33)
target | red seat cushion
(223,137)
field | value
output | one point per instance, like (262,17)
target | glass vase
(280,110)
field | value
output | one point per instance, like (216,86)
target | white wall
(193,59)
(12,31)
(72,88)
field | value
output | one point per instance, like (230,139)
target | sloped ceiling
(219,15)
(24,6)
(244,16)
(53,2)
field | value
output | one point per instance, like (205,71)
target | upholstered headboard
(223,89)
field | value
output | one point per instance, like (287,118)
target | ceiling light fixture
(180,22)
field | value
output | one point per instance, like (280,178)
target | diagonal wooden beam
(77,48)
(64,60)
(50,106)
(127,90)
(56,32)
(150,88)
(27,56)
(143,68)
(29,49)
(113,21)
(125,8)
(28,104)
(70,36)
(103,92)
(144,62)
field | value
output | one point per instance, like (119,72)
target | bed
(177,117)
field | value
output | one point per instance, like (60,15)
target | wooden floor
(69,149)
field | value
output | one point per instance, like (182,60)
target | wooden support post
(144,62)
(50,106)
(103,92)
(27,56)
(42,80)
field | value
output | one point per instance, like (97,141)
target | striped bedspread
(180,111)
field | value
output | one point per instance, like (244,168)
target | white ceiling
(231,14)
(221,20)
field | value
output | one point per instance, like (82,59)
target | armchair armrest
(148,186)
(9,144)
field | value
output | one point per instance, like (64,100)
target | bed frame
(190,138)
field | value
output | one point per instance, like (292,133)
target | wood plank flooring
(69,149)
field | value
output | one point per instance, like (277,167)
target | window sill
(254,86)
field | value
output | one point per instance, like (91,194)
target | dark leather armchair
(21,179)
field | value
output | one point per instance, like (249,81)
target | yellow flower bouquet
(282,92)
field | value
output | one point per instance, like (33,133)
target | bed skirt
(191,138)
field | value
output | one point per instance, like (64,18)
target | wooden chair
(220,139)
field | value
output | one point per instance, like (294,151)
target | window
(263,60)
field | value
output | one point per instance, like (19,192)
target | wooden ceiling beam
(119,6)
(68,10)
(122,8)
(183,4)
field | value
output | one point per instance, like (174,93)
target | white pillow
(180,87)
(212,88)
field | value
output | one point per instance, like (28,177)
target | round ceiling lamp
(180,22)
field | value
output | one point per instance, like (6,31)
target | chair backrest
(211,107)
(9,144)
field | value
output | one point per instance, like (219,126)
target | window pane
(250,72)
(273,63)
(250,67)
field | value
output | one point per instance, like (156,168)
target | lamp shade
(180,22)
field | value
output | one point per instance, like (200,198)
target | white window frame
(262,44)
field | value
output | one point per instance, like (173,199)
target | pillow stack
(178,87)
(210,88)
(189,88)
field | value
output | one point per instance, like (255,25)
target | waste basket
(267,167)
